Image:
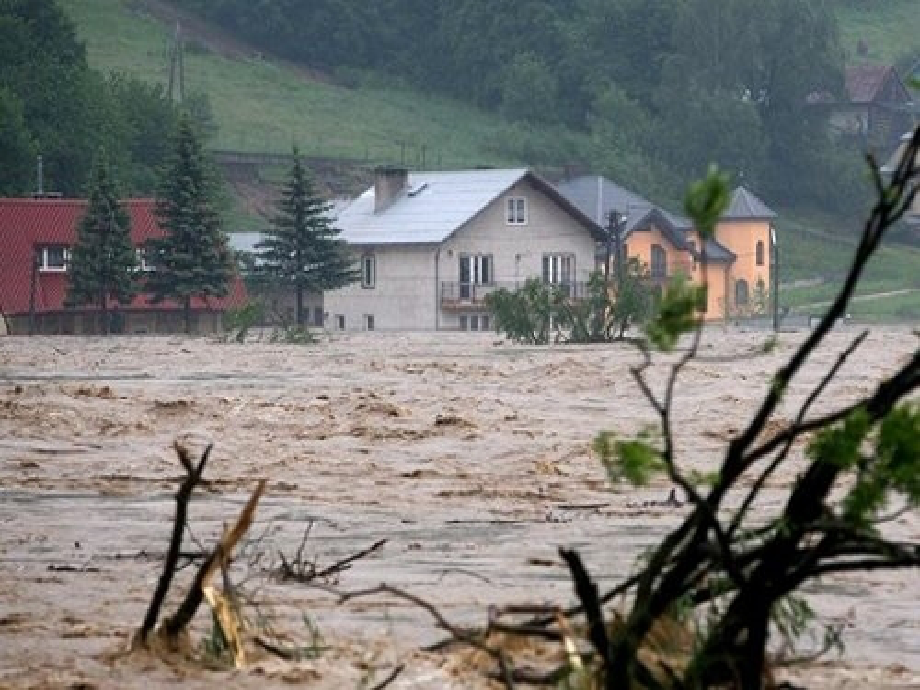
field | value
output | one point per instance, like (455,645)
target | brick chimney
(389,183)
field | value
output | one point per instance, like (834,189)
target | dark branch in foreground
(183,496)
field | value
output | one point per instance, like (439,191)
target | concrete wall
(406,295)
(403,297)
(148,321)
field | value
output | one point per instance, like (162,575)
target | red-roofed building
(878,107)
(35,240)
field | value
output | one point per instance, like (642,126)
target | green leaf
(840,445)
(707,200)
(678,312)
(898,450)
(634,460)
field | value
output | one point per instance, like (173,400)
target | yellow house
(735,264)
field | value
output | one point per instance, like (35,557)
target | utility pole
(775,279)
(614,236)
(176,68)
(32,288)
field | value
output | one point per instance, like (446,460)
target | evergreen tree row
(301,252)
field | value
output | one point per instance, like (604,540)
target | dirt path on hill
(220,41)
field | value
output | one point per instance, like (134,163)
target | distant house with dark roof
(737,259)
(877,109)
(432,245)
(36,237)
(912,217)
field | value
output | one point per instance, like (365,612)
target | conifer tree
(301,250)
(193,258)
(103,261)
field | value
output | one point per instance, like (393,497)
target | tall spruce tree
(103,261)
(193,258)
(302,250)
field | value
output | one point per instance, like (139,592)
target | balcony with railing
(456,295)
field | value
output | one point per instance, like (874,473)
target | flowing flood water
(469,456)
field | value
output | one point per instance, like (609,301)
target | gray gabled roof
(745,206)
(597,196)
(656,217)
(717,252)
(438,203)
(677,236)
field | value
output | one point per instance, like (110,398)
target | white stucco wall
(517,250)
(403,296)
(406,294)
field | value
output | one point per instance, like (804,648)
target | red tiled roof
(864,82)
(27,223)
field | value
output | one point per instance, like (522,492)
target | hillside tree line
(53,104)
(673,84)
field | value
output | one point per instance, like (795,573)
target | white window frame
(368,271)
(45,266)
(480,264)
(369,324)
(475,322)
(142,264)
(340,322)
(516,210)
(559,269)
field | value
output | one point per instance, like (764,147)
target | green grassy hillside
(890,28)
(262,105)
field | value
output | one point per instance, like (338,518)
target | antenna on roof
(176,67)
(40,192)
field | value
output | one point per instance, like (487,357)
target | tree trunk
(187,308)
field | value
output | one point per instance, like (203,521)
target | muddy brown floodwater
(470,456)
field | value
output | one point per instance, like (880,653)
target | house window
(759,253)
(142,263)
(340,322)
(659,261)
(368,322)
(741,293)
(53,258)
(558,269)
(368,271)
(475,269)
(318,317)
(516,211)
(474,322)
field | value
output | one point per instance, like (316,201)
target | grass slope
(890,29)
(264,106)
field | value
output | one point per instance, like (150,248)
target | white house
(431,245)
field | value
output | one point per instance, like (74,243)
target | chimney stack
(389,183)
